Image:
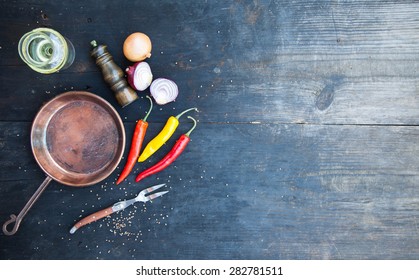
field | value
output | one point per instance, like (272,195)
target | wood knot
(327,94)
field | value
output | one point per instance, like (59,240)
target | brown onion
(164,91)
(137,47)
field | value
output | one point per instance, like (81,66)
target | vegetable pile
(136,48)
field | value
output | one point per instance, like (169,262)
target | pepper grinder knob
(113,75)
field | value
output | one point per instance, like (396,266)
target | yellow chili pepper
(164,135)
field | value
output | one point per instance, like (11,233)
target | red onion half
(139,75)
(164,91)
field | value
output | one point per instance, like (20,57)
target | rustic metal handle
(18,219)
(12,219)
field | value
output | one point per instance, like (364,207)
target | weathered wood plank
(306,146)
(350,62)
(240,191)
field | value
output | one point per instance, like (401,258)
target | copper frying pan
(77,139)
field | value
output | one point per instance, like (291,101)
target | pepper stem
(149,111)
(190,109)
(193,127)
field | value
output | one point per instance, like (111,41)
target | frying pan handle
(17,220)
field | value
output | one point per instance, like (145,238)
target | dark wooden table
(306,148)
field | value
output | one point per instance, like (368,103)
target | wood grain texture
(306,146)
(281,57)
(281,191)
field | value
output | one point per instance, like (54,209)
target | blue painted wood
(306,146)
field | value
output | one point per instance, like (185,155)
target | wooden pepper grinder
(113,75)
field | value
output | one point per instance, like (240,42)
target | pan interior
(81,137)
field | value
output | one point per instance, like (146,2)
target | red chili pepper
(136,143)
(174,153)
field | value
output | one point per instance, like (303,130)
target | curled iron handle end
(17,219)
(13,219)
